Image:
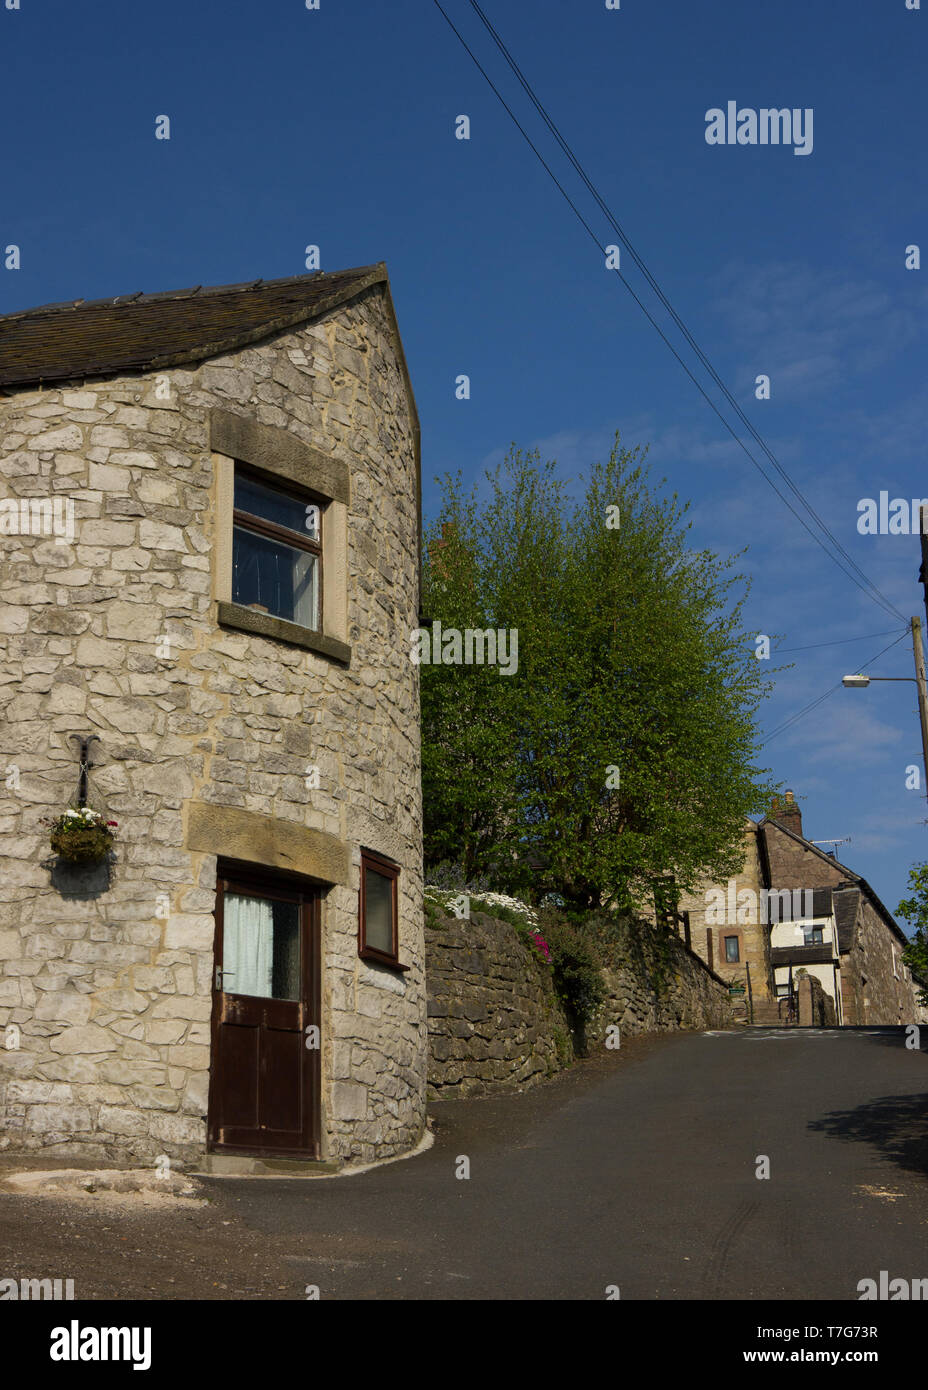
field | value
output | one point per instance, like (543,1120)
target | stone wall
(656,985)
(109,982)
(495,1021)
(816,1007)
(876,988)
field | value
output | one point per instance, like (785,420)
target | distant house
(792,916)
(210,558)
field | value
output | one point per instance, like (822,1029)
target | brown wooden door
(264,1080)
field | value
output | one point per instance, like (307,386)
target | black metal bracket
(85,764)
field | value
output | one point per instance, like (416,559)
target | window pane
(378,911)
(274,576)
(731,948)
(261,947)
(286,974)
(271,505)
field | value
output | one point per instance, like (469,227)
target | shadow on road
(890,1036)
(896,1125)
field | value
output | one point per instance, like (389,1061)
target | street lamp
(859,681)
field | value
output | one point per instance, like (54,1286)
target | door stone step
(246,1166)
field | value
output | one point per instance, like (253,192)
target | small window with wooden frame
(277,549)
(378,919)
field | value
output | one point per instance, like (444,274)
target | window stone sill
(281,630)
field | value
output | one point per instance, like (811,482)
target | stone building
(796,917)
(210,556)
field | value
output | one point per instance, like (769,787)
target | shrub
(578,979)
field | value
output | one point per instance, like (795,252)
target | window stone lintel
(280,453)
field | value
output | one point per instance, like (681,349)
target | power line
(814,704)
(839,642)
(866,586)
(660,293)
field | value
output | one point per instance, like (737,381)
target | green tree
(631,658)
(914,910)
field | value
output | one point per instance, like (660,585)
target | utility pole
(860,681)
(921,683)
(923,537)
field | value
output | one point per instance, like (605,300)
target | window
(276,551)
(261,946)
(378,928)
(783,990)
(732,953)
(813,936)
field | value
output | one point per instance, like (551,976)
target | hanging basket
(82,836)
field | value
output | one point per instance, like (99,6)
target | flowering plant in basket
(82,835)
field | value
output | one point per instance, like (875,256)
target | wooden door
(264,1079)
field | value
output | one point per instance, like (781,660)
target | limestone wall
(110,984)
(495,1021)
(656,985)
(816,1006)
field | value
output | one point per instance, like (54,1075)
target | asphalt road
(636,1170)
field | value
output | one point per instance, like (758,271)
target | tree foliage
(914,910)
(630,656)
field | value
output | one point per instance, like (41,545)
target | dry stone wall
(495,1021)
(655,985)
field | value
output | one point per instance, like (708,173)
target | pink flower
(542,945)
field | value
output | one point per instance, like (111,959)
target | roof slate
(846,901)
(145,332)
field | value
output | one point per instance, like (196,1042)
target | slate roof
(147,332)
(846,903)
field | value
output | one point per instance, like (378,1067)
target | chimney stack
(788,814)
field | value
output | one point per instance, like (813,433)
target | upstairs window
(732,953)
(276,551)
(813,936)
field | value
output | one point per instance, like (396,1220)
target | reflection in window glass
(277,577)
(271,505)
(378,911)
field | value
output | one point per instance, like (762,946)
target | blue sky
(336,127)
